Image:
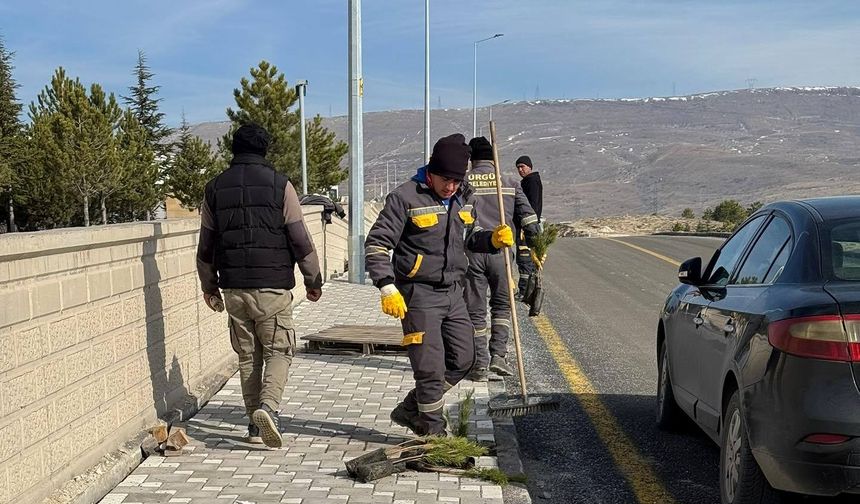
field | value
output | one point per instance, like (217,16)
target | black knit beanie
(524,160)
(481,149)
(250,138)
(450,157)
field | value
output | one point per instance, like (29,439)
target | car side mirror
(690,271)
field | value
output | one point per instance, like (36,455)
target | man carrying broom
(429,223)
(488,269)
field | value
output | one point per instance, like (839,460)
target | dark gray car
(762,350)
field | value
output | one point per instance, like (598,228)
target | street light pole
(426,80)
(475,85)
(493,105)
(301,89)
(356,148)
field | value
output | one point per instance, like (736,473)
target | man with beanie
(251,237)
(424,222)
(533,189)
(488,269)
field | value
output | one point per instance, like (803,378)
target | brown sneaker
(267,421)
(253,434)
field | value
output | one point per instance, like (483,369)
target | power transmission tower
(751,83)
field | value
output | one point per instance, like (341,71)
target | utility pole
(301,89)
(387,179)
(356,148)
(426,80)
(475,84)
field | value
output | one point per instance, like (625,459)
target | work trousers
(487,271)
(439,340)
(525,266)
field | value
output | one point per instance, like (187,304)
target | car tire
(669,414)
(741,479)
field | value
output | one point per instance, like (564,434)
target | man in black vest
(251,237)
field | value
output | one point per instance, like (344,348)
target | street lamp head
(302,87)
(498,35)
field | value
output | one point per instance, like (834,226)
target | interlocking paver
(334,408)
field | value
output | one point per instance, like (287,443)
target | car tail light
(826,439)
(828,337)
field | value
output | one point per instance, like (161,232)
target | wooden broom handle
(507,255)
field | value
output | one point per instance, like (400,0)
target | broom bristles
(515,407)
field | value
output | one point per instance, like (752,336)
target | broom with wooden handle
(525,404)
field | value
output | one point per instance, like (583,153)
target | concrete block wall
(102,330)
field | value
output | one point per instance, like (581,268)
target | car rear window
(845,250)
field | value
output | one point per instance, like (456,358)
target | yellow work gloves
(537,260)
(503,236)
(392,301)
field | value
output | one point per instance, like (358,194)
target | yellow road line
(649,252)
(646,486)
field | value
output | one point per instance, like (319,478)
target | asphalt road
(602,304)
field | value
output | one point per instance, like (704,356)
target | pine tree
(267,100)
(194,164)
(11,149)
(143,103)
(324,155)
(141,189)
(73,132)
(105,118)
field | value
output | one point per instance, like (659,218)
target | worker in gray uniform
(487,269)
(429,223)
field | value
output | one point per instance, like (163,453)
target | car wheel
(668,412)
(741,479)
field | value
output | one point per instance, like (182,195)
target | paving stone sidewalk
(334,408)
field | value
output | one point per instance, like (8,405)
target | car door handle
(729,328)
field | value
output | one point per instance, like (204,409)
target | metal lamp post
(301,89)
(475,85)
(426,80)
(493,105)
(356,148)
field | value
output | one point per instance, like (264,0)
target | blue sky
(199,49)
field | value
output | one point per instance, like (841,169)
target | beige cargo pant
(261,332)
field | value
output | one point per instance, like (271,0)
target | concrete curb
(508,450)
(128,457)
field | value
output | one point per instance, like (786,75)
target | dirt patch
(636,225)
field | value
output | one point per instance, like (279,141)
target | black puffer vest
(247,203)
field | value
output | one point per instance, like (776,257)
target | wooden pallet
(369,338)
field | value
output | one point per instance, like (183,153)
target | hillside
(640,156)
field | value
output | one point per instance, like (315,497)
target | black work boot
(267,421)
(405,418)
(499,366)
(478,375)
(253,434)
